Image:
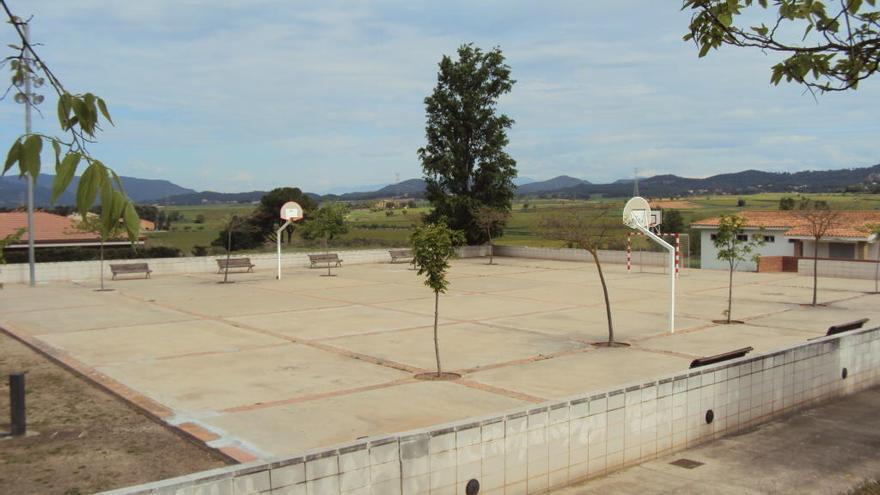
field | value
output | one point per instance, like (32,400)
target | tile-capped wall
(562,442)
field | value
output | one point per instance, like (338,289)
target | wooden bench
(401,254)
(328,259)
(233,263)
(844,327)
(131,268)
(717,358)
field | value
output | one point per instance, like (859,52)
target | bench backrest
(130,267)
(234,262)
(401,253)
(843,327)
(717,358)
(324,257)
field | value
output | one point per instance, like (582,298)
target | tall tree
(464,162)
(588,230)
(828,46)
(95,225)
(673,222)
(266,215)
(432,246)
(491,221)
(818,218)
(734,247)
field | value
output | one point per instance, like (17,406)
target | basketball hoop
(290,212)
(637,215)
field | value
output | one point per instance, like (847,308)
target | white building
(786,236)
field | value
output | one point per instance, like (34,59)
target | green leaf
(103,107)
(13,156)
(64,111)
(704,49)
(89,185)
(57,147)
(131,221)
(29,163)
(107,218)
(64,173)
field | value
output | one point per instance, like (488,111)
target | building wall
(709,253)
(840,268)
(540,447)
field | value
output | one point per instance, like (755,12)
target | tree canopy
(464,162)
(828,46)
(266,217)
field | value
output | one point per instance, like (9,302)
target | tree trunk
(327,251)
(228,252)
(877,272)
(436,339)
(730,294)
(491,251)
(815,269)
(605,292)
(102,263)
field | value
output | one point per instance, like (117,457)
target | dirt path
(86,440)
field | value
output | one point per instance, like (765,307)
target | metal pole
(671,250)
(17,418)
(30,180)
(278,241)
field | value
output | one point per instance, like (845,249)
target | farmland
(382,228)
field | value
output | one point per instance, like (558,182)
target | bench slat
(117,269)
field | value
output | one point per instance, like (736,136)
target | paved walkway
(829,449)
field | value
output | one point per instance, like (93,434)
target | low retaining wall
(567,254)
(90,270)
(863,269)
(532,449)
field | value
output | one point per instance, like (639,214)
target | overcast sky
(238,95)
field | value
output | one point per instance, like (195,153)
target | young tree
(326,223)
(106,227)
(588,230)
(818,219)
(230,223)
(734,246)
(464,162)
(786,203)
(829,46)
(490,220)
(10,239)
(432,246)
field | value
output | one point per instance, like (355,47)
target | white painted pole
(671,249)
(25,29)
(278,241)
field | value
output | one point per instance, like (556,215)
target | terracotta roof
(850,224)
(48,228)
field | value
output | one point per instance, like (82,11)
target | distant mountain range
(12,189)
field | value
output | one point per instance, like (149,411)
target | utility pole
(25,29)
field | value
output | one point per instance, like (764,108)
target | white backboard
(637,212)
(291,211)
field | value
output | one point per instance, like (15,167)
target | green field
(376,228)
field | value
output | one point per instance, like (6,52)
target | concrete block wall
(536,448)
(566,254)
(839,268)
(91,270)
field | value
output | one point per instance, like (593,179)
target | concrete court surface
(263,367)
(829,449)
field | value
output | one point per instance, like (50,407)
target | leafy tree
(432,247)
(673,222)
(491,220)
(80,116)
(266,216)
(10,239)
(587,230)
(829,46)
(734,247)
(325,224)
(464,162)
(786,203)
(740,203)
(238,234)
(819,219)
(199,218)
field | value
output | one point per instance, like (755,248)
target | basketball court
(265,367)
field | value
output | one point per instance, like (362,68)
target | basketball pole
(671,249)
(278,240)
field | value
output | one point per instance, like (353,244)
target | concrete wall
(709,253)
(839,268)
(564,254)
(562,442)
(90,270)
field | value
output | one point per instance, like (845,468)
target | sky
(241,95)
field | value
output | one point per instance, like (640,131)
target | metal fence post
(18,420)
